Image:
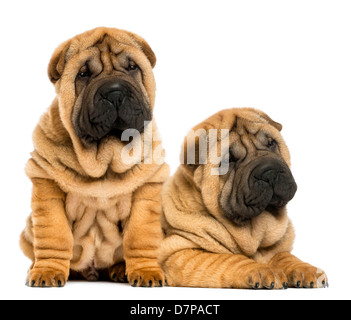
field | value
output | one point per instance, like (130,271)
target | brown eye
(229,159)
(84,73)
(132,66)
(271,143)
(232,158)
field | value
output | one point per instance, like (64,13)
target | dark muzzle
(115,107)
(271,183)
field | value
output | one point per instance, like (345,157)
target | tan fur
(202,248)
(89,209)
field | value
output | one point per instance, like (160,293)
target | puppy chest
(97,228)
(265,232)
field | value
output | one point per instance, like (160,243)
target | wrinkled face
(113,84)
(110,102)
(259,178)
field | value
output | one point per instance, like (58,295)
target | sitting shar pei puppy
(96,205)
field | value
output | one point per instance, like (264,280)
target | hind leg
(26,240)
(117,273)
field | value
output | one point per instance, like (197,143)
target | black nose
(267,171)
(112,94)
(275,174)
(123,99)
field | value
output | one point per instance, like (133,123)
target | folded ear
(58,62)
(263,115)
(145,47)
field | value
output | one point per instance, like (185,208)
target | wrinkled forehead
(241,122)
(104,42)
(253,129)
(243,131)
(248,135)
(251,134)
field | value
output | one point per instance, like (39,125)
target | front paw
(307,276)
(151,277)
(261,276)
(45,278)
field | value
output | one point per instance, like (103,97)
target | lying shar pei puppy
(225,219)
(92,211)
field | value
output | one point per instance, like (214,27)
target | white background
(292,59)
